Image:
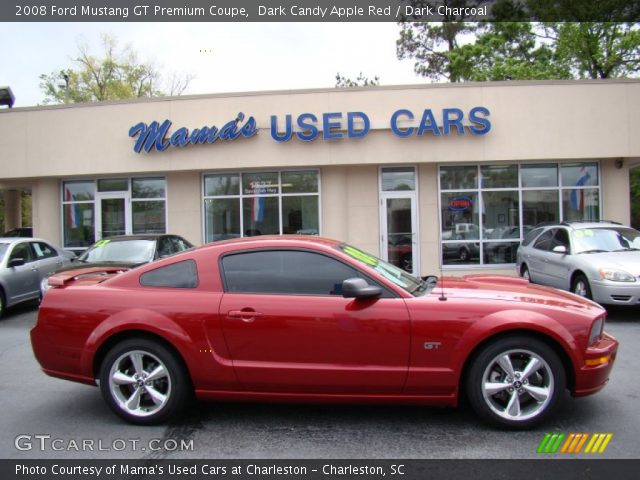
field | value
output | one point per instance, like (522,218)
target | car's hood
(628,261)
(505,288)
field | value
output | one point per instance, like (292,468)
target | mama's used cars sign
(307,127)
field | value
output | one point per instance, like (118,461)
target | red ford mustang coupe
(310,319)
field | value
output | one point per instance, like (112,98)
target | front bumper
(591,378)
(615,293)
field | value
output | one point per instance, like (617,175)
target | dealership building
(430,177)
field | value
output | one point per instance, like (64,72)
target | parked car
(125,252)
(24,262)
(306,318)
(19,232)
(597,260)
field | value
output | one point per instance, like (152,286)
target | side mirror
(560,249)
(359,288)
(16,262)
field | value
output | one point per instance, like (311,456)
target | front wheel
(580,286)
(516,382)
(144,382)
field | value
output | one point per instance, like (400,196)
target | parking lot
(44,417)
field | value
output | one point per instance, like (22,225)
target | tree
(597,50)
(507,51)
(116,75)
(522,50)
(361,81)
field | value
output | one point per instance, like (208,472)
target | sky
(224,57)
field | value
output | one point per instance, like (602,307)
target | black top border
(320,11)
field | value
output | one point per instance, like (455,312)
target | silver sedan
(597,260)
(24,262)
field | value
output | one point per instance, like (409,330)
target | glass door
(398,218)
(112,216)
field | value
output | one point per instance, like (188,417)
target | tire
(137,401)
(524,273)
(580,286)
(2,303)
(520,399)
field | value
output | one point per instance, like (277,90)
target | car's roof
(261,240)
(22,239)
(138,236)
(576,224)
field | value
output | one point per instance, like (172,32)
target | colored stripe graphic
(574,443)
(598,443)
(550,443)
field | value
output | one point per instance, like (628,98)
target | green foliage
(361,81)
(521,50)
(116,74)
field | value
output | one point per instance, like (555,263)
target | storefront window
(396,179)
(268,203)
(78,213)
(148,217)
(93,209)
(483,222)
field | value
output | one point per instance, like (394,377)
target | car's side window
(179,244)
(165,248)
(560,238)
(544,241)
(177,275)
(291,272)
(42,250)
(22,250)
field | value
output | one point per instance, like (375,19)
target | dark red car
(311,319)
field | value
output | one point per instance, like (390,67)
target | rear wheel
(144,382)
(580,286)
(516,382)
(524,273)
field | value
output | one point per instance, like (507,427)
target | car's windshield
(129,251)
(609,239)
(388,271)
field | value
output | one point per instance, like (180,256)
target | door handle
(245,315)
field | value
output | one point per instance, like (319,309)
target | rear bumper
(592,378)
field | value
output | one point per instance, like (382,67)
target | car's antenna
(442,298)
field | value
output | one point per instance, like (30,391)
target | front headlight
(616,275)
(596,330)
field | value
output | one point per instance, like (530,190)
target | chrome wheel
(517,385)
(581,287)
(144,381)
(140,383)
(515,381)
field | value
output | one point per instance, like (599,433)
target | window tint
(177,275)
(22,250)
(43,250)
(285,272)
(544,241)
(531,235)
(560,238)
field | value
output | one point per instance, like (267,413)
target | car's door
(22,282)
(537,258)
(47,259)
(289,329)
(557,266)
